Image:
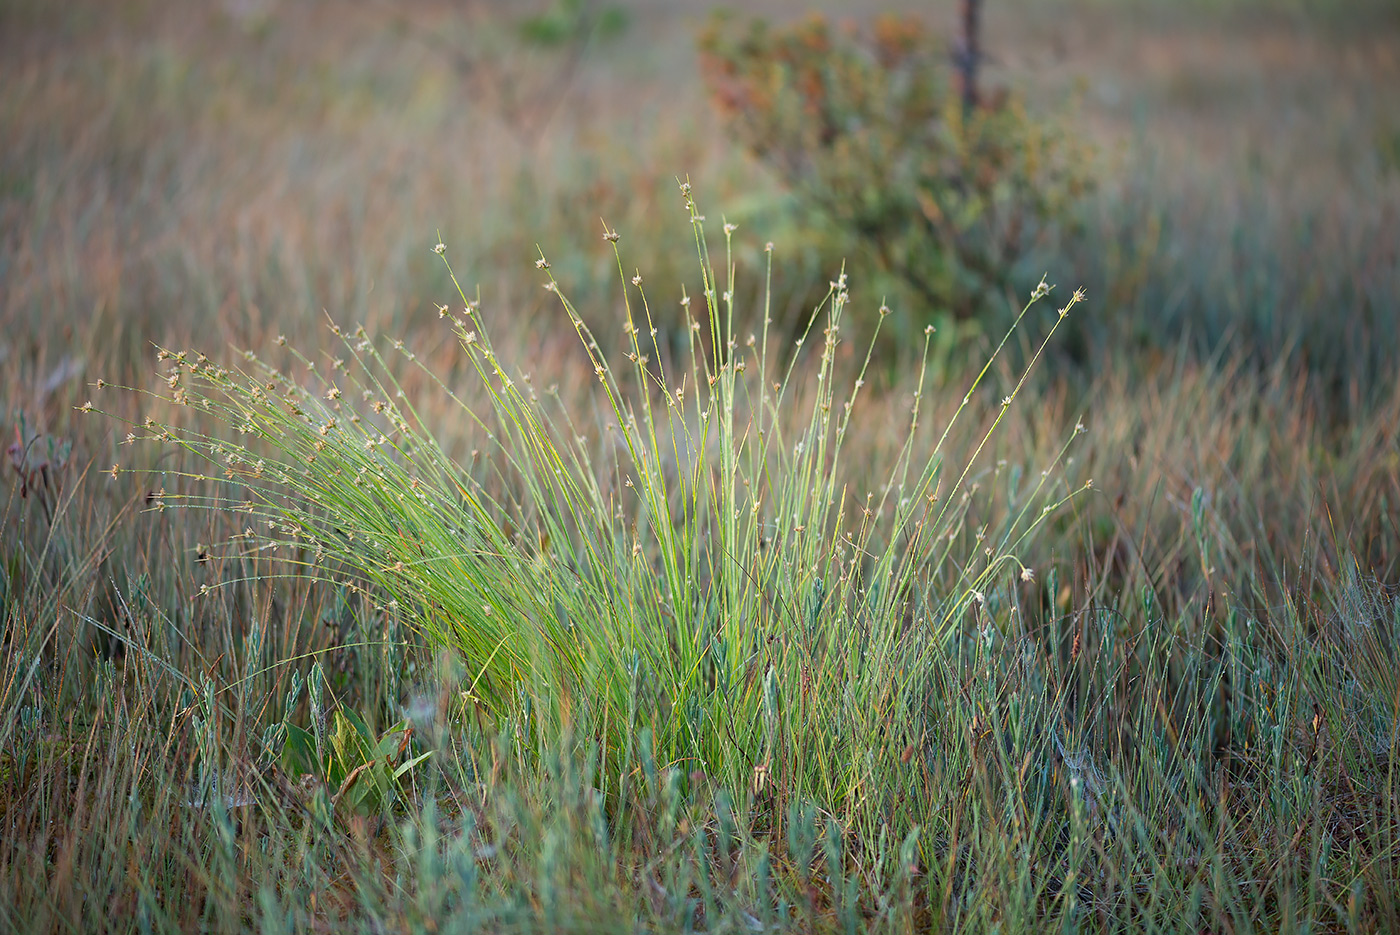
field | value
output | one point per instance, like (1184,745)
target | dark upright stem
(969,53)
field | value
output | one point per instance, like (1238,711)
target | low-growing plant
(40,461)
(362,770)
(867,131)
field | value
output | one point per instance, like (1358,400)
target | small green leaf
(410,764)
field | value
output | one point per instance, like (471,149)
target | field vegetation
(604,467)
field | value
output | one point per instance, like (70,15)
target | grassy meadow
(454,484)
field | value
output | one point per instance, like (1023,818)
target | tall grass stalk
(698,563)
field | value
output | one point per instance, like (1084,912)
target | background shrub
(864,127)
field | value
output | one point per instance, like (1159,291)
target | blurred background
(234,168)
(1221,176)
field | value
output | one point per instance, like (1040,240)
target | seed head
(440,249)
